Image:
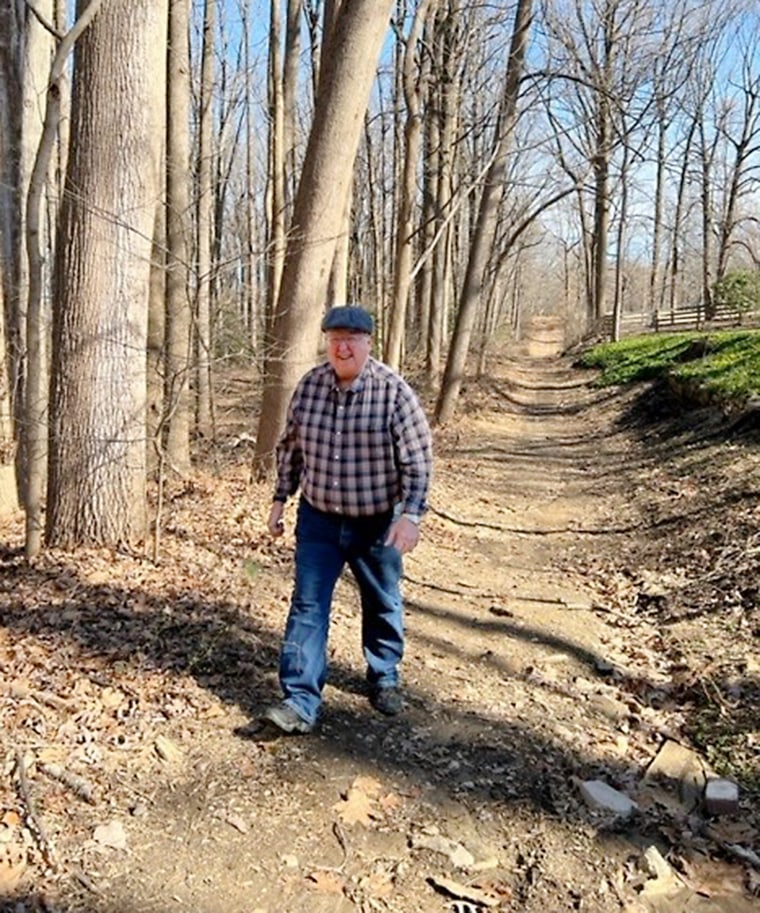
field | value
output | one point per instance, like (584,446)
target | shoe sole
(286,727)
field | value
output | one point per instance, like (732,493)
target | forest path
(524,675)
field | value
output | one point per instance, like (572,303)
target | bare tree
(204,225)
(176,408)
(485,227)
(413,71)
(740,132)
(345,82)
(276,171)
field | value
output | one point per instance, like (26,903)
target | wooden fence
(665,320)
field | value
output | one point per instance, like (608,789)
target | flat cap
(351,317)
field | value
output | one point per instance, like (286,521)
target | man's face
(347,352)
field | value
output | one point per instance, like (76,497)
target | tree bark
(8,489)
(36,387)
(205,221)
(96,480)
(275,202)
(177,411)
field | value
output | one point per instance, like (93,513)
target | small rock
(600,795)
(111,835)
(675,777)
(721,797)
(167,750)
(460,856)
(613,710)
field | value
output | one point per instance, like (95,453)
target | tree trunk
(156,340)
(487,219)
(96,481)
(337,289)
(205,221)
(413,88)
(8,490)
(276,177)
(177,411)
(345,83)
(601,206)
(36,387)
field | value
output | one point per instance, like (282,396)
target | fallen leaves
(365,802)
(326,882)
(10,875)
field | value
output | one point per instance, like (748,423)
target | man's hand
(403,535)
(275,525)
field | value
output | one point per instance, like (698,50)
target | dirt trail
(470,801)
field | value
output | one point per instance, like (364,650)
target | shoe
(287,720)
(387,700)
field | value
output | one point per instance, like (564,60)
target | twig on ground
(78,785)
(35,824)
(21,693)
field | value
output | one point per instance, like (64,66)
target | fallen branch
(35,824)
(78,785)
(22,693)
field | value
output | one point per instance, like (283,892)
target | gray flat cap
(351,317)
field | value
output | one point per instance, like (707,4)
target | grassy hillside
(721,365)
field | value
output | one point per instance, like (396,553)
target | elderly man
(358,445)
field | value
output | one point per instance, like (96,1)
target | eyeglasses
(351,339)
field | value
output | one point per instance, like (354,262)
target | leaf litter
(124,680)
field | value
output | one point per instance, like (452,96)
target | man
(358,445)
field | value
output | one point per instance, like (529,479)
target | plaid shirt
(358,451)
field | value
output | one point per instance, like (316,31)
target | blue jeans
(325,543)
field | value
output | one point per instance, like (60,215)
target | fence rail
(665,319)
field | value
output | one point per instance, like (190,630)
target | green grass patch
(726,364)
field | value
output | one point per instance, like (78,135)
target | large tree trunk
(487,219)
(345,83)
(96,484)
(177,411)
(37,323)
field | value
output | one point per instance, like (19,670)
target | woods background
(188,185)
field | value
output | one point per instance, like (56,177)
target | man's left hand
(403,535)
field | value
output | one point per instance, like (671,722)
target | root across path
(551,664)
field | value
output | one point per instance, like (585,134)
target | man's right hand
(275,525)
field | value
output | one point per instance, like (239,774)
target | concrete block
(721,797)
(601,795)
